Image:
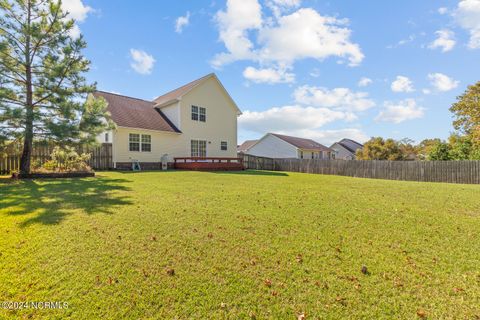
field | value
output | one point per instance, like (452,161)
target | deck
(209,164)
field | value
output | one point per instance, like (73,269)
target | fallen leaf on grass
(299,258)
(421,313)
(302,316)
(170,272)
(268,282)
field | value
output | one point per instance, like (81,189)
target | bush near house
(264,245)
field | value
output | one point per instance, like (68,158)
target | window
(134,142)
(301,154)
(313,155)
(223,146)
(136,146)
(106,137)
(198,148)
(146,143)
(203,114)
(194,113)
(199,114)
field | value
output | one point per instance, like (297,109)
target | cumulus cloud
(182,22)
(268,75)
(467,16)
(338,98)
(401,111)
(364,82)
(142,62)
(77,11)
(290,118)
(442,82)
(402,84)
(445,40)
(278,43)
(240,17)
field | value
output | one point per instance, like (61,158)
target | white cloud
(402,84)
(142,62)
(290,118)
(268,75)
(338,98)
(278,42)
(442,82)
(400,111)
(445,40)
(280,6)
(234,24)
(443,10)
(467,16)
(403,42)
(182,22)
(76,9)
(364,82)
(321,37)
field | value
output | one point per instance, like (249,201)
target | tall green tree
(42,83)
(378,148)
(467,113)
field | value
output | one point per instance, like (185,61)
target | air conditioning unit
(164,161)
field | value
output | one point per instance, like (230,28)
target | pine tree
(42,83)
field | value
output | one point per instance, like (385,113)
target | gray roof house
(345,149)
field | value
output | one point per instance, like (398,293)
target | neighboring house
(346,149)
(274,145)
(244,147)
(196,120)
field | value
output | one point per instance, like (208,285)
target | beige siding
(221,125)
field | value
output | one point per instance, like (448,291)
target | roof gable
(177,94)
(247,144)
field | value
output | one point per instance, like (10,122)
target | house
(198,119)
(274,145)
(245,146)
(346,149)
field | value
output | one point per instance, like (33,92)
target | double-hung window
(134,142)
(146,143)
(140,142)
(199,114)
(223,146)
(198,148)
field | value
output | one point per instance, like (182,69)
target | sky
(324,70)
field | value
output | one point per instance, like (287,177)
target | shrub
(66,159)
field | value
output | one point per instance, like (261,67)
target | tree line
(463,144)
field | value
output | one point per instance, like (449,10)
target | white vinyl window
(199,114)
(106,137)
(224,146)
(140,142)
(134,142)
(146,143)
(198,148)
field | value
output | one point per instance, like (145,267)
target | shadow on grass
(53,200)
(255,173)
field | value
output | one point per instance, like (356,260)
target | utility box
(164,161)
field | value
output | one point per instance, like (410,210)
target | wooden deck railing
(208,163)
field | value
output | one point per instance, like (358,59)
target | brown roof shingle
(301,143)
(136,113)
(246,145)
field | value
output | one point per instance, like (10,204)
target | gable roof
(350,145)
(301,143)
(136,113)
(246,145)
(177,94)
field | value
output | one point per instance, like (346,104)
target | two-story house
(198,119)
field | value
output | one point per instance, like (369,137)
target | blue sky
(294,66)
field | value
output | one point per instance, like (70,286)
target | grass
(264,245)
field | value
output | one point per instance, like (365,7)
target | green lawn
(241,245)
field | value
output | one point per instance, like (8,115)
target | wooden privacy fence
(101,159)
(426,171)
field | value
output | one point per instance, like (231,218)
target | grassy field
(252,245)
